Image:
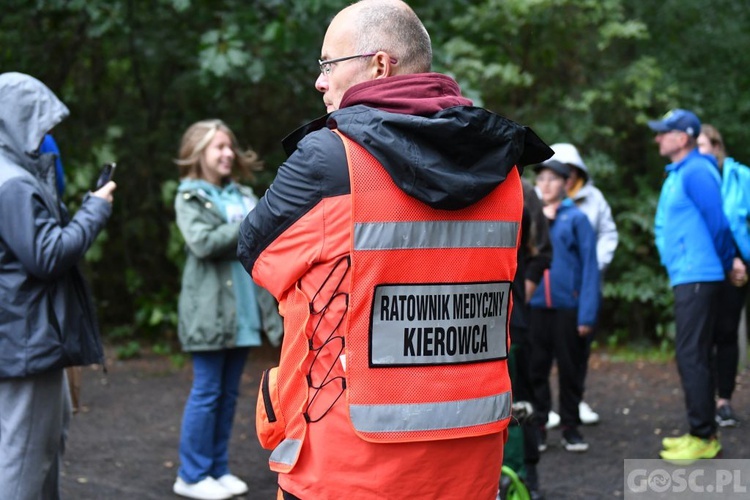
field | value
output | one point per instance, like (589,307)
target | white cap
(567,153)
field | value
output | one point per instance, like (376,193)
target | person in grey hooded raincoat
(47,318)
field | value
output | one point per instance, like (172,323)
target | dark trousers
(554,336)
(524,391)
(727,352)
(695,306)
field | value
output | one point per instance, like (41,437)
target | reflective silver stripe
(435,234)
(430,416)
(286,452)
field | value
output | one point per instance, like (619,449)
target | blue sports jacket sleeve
(588,304)
(701,187)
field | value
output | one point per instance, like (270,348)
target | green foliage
(222,50)
(700,46)
(161,348)
(136,74)
(637,294)
(128,351)
(178,360)
(663,352)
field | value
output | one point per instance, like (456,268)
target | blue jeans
(209,413)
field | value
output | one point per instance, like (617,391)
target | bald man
(389,237)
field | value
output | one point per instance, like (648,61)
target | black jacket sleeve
(538,253)
(315,170)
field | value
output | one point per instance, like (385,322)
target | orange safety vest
(427,342)
(427,327)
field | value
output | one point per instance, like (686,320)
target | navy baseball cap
(677,119)
(557,167)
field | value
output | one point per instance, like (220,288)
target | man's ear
(383,67)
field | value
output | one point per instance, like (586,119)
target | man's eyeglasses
(327,66)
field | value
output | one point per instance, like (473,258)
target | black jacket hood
(449,158)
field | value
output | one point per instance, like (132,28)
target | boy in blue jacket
(564,305)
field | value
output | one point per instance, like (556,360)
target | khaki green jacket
(207,305)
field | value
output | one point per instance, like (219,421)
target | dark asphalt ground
(123,444)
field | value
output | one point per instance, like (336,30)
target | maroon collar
(421,94)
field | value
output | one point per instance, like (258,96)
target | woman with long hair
(735,195)
(219,313)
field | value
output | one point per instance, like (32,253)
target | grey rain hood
(30,110)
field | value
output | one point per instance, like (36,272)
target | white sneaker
(586,414)
(233,484)
(208,489)
(553,420)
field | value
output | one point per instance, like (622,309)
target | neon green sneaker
(692,449)
(675,442)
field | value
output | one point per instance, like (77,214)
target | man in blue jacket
(695,245)
(47,319)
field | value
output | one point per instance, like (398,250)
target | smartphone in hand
(105,175)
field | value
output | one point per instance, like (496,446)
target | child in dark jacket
(565,305)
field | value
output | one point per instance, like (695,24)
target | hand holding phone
(105,175)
